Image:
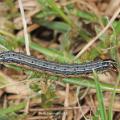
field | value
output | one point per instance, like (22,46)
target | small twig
(25,27)
(98,35)
(66,103)
(30,29)
(56,108)
(26,110)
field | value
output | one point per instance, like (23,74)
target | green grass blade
(88,16)
(101,105)
(59,26)
(110,113)
(90,83)
(13,108)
